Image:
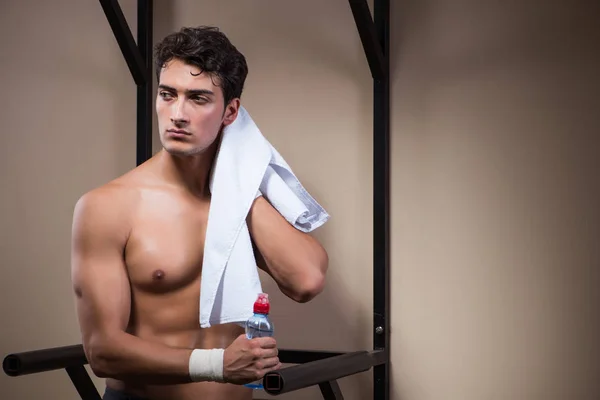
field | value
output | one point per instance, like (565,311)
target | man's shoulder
(116,197)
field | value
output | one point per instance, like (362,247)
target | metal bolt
(379,330)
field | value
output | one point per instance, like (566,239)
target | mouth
(178,132)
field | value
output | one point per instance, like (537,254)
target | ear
(231,112)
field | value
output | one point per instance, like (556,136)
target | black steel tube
(62,357)
(35,361)
(381,204)
(368,37)
(304,356)
(331,390)
(312,373)
(144,90)
(83,383)
(125,40)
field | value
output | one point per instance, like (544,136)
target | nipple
(158,275)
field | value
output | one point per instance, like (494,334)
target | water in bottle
(259,325)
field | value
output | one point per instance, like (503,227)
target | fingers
(267,366)
(269,363)
(266,342)
(265,354)
(268,353)
(263,342)
(265,348)
(246,360)
(272,368)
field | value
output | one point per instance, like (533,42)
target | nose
(178,114)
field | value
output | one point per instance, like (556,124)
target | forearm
(126,357)
(295,260)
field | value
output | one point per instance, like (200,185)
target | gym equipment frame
(312,367)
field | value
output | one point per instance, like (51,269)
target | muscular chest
(166,244)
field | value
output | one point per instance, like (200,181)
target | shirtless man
(137,245)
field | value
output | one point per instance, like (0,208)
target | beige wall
(495,200)
(68,124)
(494,192)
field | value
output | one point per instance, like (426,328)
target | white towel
(245,164)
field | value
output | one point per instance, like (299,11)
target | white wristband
(206,365)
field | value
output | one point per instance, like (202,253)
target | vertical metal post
(381,204)
(144,90)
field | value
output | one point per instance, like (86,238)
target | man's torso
(163,256)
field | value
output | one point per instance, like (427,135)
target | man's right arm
(103,298)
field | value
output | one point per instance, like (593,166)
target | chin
(182,151)
(184,148)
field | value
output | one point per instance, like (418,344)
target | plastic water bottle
(259,325)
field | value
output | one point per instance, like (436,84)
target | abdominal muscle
(173,320)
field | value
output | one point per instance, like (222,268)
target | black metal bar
(304,356)
(313,373)
(62,357)
(83,383)
(31,362)
(331,390)
(144,90)
(381,205)
(369,38)
(122,33)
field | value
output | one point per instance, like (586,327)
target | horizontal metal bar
(368,37)
(287,356)
(31,362)
(62,357)
(125,39)
(313,373)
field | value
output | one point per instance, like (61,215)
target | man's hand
(247,360)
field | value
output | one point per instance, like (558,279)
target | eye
(165,95)
(199,99)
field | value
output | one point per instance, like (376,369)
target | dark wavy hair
(207,48)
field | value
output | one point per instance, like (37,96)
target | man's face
(190,109)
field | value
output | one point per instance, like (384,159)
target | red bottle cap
(261,305)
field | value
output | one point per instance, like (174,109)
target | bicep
(98,272)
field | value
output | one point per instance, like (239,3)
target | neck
(189,172)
